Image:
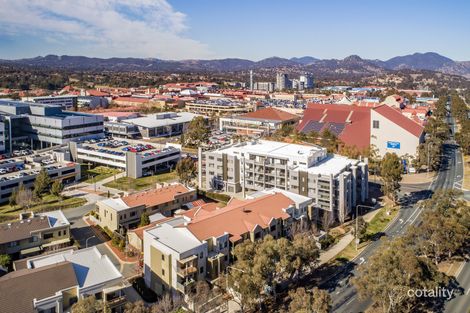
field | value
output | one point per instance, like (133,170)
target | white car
(412,170)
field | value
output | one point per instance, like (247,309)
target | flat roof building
(45,125)
(335,183)
(262,121)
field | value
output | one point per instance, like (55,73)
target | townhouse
(196,245)
(64,278)
(33,234)
(125,212)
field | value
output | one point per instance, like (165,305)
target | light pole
(86,241)
(226,280)
(357,225)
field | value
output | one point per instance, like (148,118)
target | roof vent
(9,225)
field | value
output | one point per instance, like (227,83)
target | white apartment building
(174,259)
(335,183)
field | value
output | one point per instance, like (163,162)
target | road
(343,293)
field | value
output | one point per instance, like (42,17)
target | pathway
(344,241)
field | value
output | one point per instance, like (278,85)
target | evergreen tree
(42,182)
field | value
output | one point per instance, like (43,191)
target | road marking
(460,270)
(361,260)
(352,299)
(401,221)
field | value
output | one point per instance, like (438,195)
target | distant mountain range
(354,64)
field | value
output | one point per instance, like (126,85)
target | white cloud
(137,28)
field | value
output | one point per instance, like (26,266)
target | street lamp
(226,273)
(357,225)
(86,241)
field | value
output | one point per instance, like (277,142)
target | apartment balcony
(187,271)
(114,296)
(185,286)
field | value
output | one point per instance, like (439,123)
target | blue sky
(252,29)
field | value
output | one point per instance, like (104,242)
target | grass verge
(98,173)
(127,183)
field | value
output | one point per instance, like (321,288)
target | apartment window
(33,239)
(65,232)
(132,214)
(163,272)
(375,124)
(59,233)
(201,269)
(163,257)
(225,244)
(273,227)
(48,236)
(201,255)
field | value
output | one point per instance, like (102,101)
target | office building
(23,171)
(136,158)
(217,107)
(45,125)
(265,86)
(335,183)
(307,80)
(66,102)
(263,121)
(161,124)
(282,81)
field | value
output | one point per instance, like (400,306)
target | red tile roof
(271,114)
(155,196)
(395,116)
(240,218)
(356,121)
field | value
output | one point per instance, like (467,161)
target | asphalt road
(343,293)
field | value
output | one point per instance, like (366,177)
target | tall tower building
(251,80)
(307,80)
(282,81)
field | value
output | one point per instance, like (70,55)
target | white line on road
(352,299)
(460,269)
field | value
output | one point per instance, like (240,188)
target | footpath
(344,241)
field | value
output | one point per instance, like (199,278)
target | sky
(249,29)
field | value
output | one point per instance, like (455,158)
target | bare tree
(24,197)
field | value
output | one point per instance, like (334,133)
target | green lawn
(378,223)
(48,203)
(127,183)
(98,173)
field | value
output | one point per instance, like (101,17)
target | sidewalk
(344,241)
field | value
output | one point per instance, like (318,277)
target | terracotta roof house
(193,247)
(125,212)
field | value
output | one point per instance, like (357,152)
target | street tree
(314,301)
(41,184)
(391,272)
(391,171)
(186,170)
(198,132)
(57,188)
